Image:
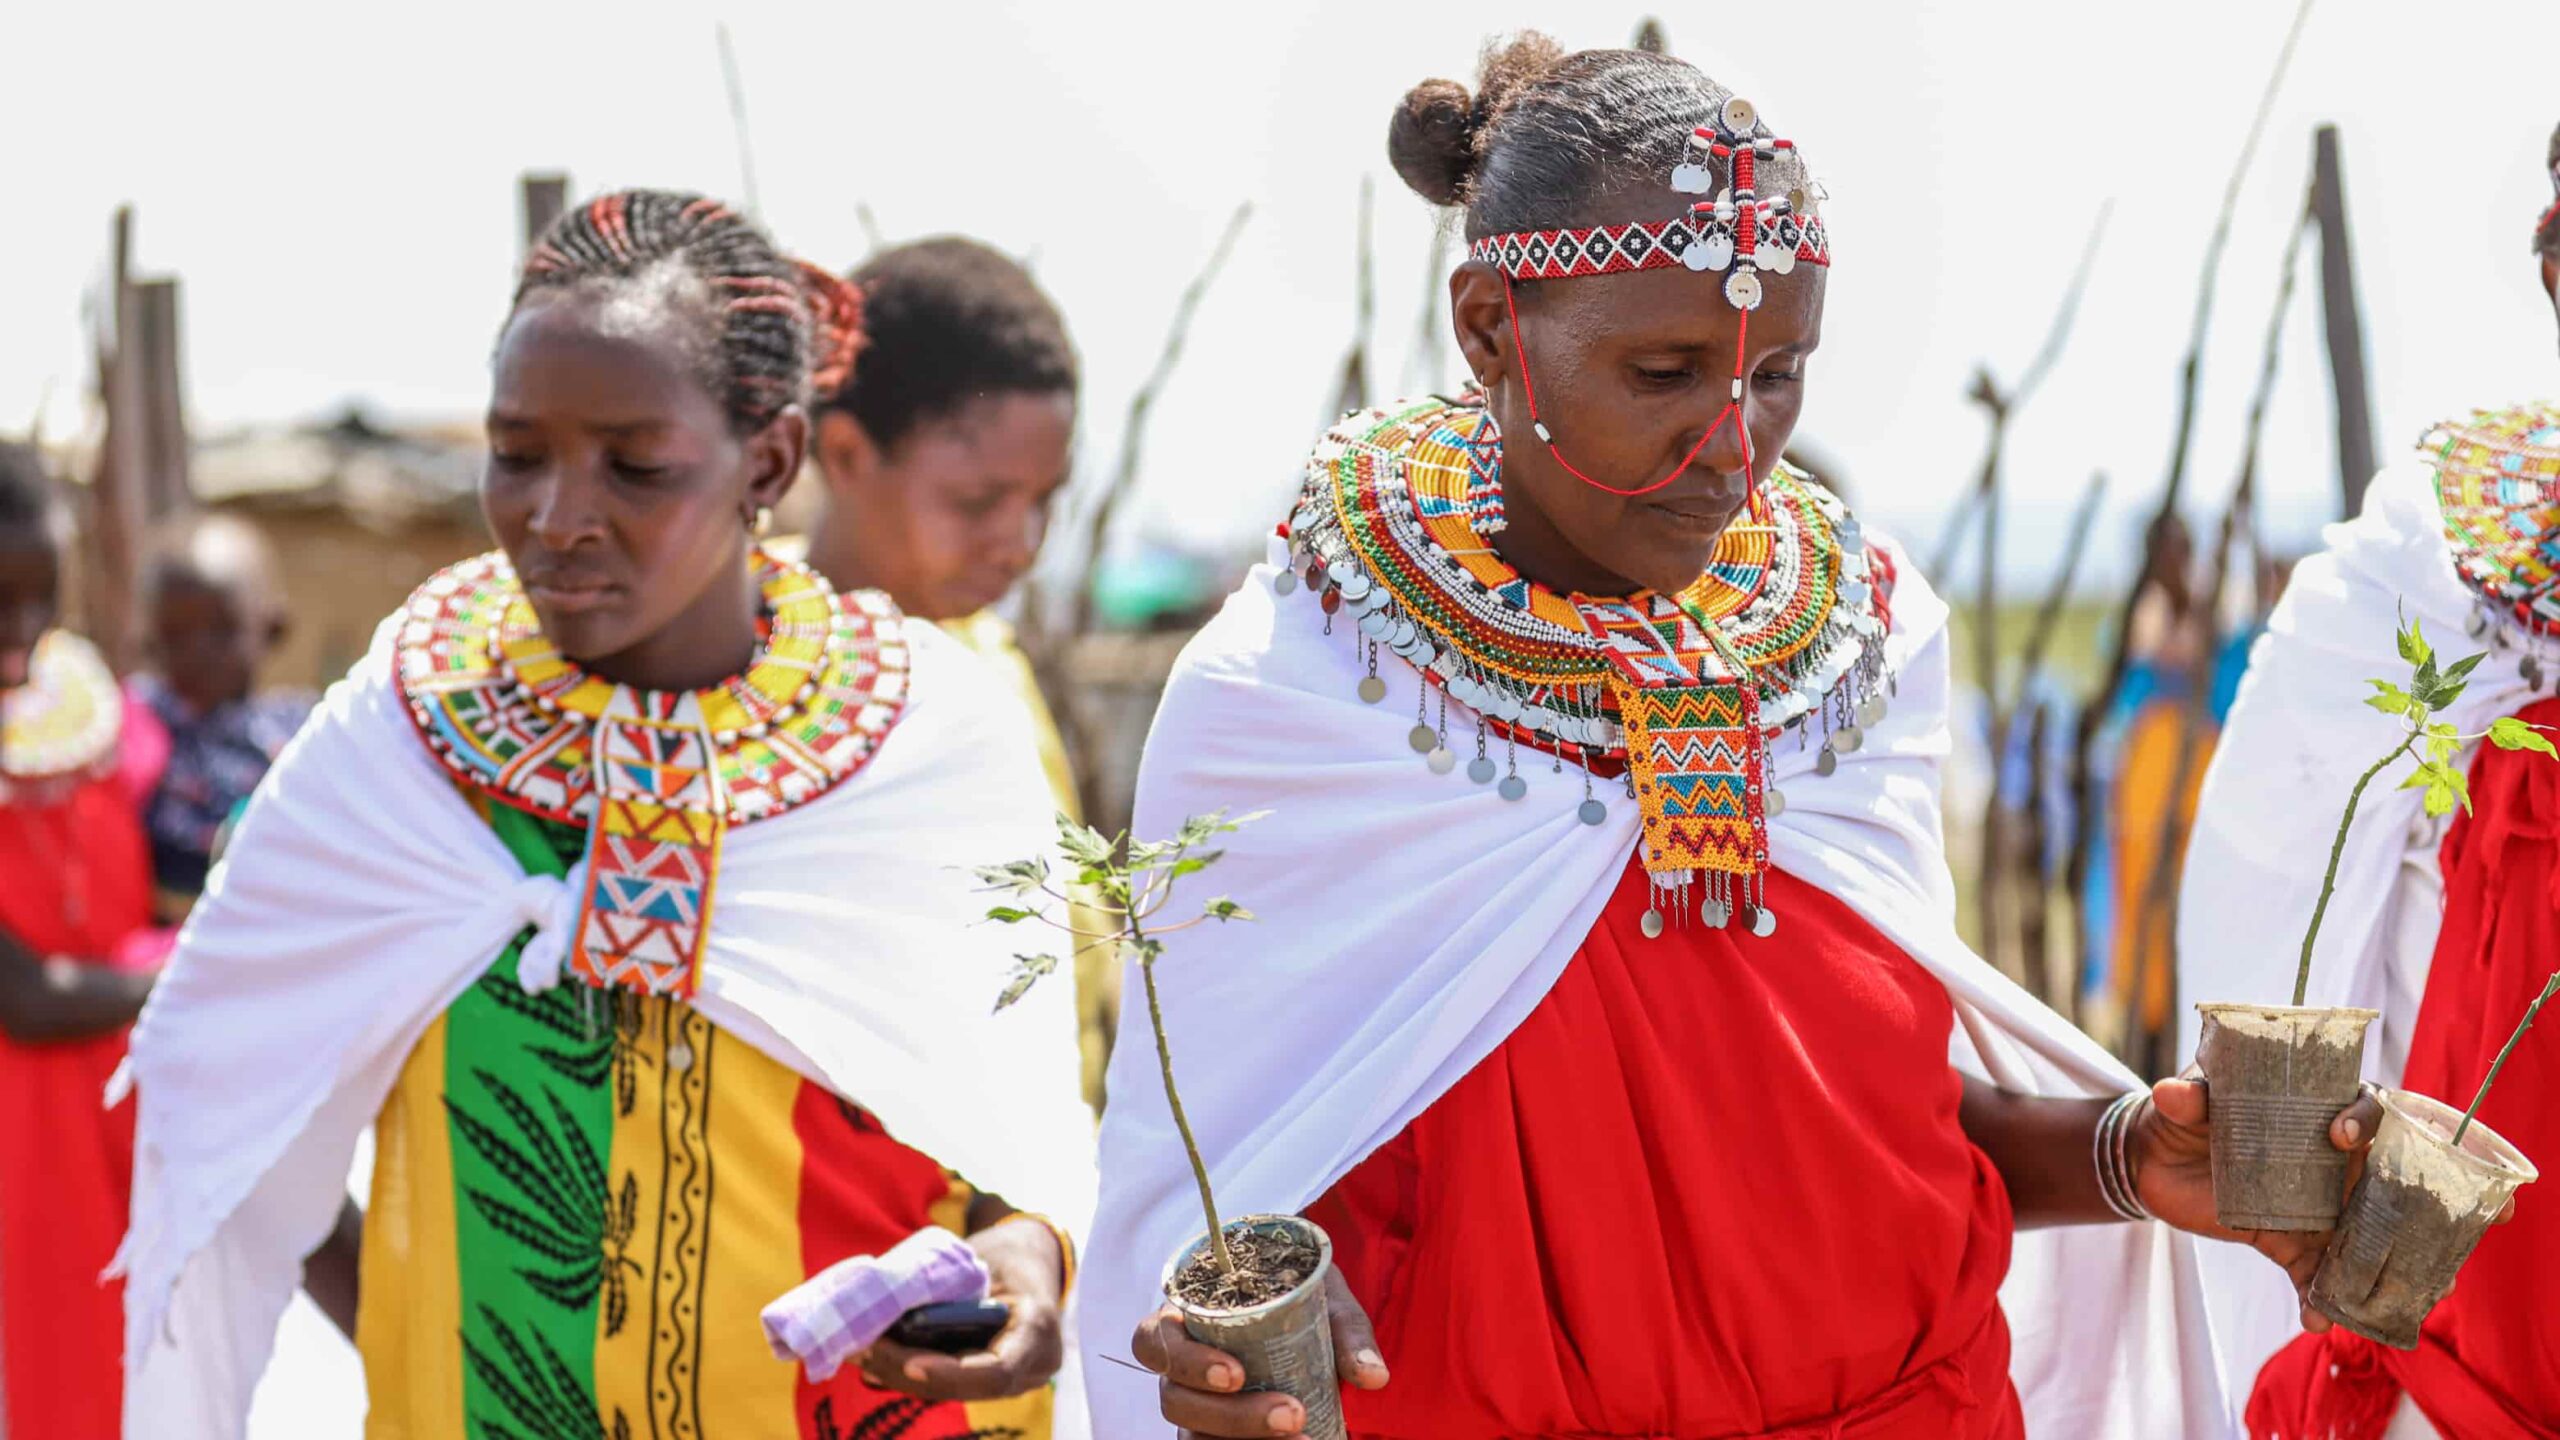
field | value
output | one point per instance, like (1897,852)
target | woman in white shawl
(1616,1030)
(2445,924)
(619,889)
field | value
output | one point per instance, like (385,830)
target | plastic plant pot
(2277,1075)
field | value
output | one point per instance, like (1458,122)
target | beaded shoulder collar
(66,719)
(1785,629)
(655,779)
(2498,488)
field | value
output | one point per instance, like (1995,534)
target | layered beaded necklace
(65,721)
(2498,489)
(1680,694)
(655,778)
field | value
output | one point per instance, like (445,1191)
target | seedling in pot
(2279,1074)
(1253,1287)
(2432,1186)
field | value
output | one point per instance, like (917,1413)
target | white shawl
(2297,737)
(1409,921)
(362,896)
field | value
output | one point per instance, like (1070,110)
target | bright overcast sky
(336,185)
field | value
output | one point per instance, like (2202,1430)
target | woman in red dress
(1617,1032)
(76,957)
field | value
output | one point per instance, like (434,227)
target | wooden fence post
(2342,323)
(542,196)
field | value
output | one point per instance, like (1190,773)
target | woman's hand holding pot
(1201,1385)
(2173,1172)
(1026,1271)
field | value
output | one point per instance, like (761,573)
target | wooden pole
(2035,906)
(166,489)
(2342,322)
(1353,393)
(116,499)
(542,195)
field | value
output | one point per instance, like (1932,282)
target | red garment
(2487,1366)
(75,881)
(1710,1187)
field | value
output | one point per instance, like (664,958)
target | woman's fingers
(1355,1343)
(1231,1417)
(2354,1127)
(1162,1345)
(2180,1101)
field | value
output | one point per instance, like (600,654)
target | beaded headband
(1737,233)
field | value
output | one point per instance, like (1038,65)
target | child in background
(76,961)
(215,611)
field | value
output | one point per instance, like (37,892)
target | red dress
(1711,1187)
(75,881)
(2487,1366)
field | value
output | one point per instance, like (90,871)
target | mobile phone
(955,1328)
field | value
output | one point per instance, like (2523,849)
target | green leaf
(2424,683)
(2461,669)
(1223,908)
(2444,693)
(1010,915)
(2459,784)
(2439,800)
(2423,775)
(2514,734)
(1019,877)
(1083,844)
(1194,864)
(2392,703)
(2413,645)
(1027,970)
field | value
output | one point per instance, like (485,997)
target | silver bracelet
(2110,1153)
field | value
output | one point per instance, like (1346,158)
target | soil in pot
(2417,1214)
(2277,1076)
(1269,1264)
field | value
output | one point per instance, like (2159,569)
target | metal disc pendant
(1871,711)
(2531,666)
(1827,761)
(1423,739)
(1651,924)
(1847,739)
(1373,689)
(1764,922)
(1285,583)
(2477,624)
(1481,769)
(1593,812)
(1716,914)
(1441,760)
(1774,804)
(1513,788)
(679,1057)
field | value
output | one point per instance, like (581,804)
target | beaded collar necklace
(655,778)
(1784,630)
(2498,489)
(65,721)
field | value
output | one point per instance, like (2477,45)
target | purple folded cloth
(845,1309)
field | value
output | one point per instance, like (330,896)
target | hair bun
(1432,140)
(835,321)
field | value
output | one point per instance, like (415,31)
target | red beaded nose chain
(1732,409)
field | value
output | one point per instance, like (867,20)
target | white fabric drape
(362,895)
(2297,737)
(1409,921)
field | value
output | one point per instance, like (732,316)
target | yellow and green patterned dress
(583,1197)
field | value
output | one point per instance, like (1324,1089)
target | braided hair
(772,327)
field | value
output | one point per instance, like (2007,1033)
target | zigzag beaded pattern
(1384,504)
(1642,245)
(2498,488)
(508,716)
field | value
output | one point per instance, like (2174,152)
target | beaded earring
(1484,475)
